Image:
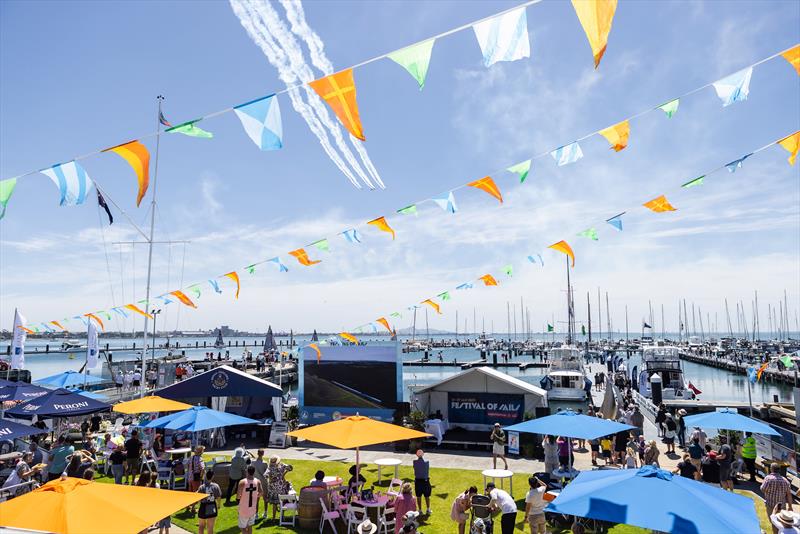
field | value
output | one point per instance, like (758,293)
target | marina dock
(740,367)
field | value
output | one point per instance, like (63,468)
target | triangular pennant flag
(692,183)
(408,210)
(352,235)
(137,309)
(396,314)
(6,190)
(235,277)
(589,233)
(791,143)
(596,17)
(251,269)
(487,184)
(96,319)
(302,257)
(181,296)
(432,304)
(315,347)
(120,312)
(734,88)
(322,244)
(670,108)
(509,270)
(164,299)
(261,120)
(105,314)
(737,164)
(381,224)
(504,37)
(567,154)
(190,129)
(550,328)
(488,280)
(56,323)
(72,181)
(465,285)
(385,323)
(277,261)
(521,169)
(793,57)
(444,296)
(616,221)
(195,288)
(214,285)
(617,135)
(447,202)
(659,204)
(349,337)
(415,59)
(137,156)
(563,246)
(532,259)
(339,91)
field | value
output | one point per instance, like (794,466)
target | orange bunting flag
(563,246)
(488,280)
(316,349)
(56,323)
(349,337)
(137,309)
(659,204)
(792,144)
(26,329)
(488,185)
(381,224)
(235,277)
(339,91)
(385,323)
(302,257)
(793,57)
(181,296)
(617,135)
(596,17)
(137,156)
(432,304)
(97,320)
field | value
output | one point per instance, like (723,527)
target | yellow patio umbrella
(75,505)
(356,431)
(150,404)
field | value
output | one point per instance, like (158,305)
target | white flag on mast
(91,346)
(18,342)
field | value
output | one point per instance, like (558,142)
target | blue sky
(80,76)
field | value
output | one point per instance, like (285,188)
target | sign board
(485,408)
(277,438)
(513,442)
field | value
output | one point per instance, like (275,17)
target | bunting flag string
(695,182)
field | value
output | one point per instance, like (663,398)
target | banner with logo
(18,342)
(485,408)
(91,346)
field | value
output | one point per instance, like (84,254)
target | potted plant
(416,420)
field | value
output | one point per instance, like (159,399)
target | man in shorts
(534,506)
(422,481)
(249,493)
(133,455)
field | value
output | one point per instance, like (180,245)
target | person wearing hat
(670,428)
(498,439)
(367,527)
(709,467)
(504,503)
(278,485)
(777,491)
(784,521)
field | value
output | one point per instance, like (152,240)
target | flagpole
(143,381)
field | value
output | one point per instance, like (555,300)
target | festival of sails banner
(485,408)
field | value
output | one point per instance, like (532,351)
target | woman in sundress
(276,482)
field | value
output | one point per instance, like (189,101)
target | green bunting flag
(196,290)
(521,170)
(444,296)
(251,269)
(6,189)
(189,128)
(670,108)
(583,330)
(509,270)
(550,328)
(396,314)
(415,59)
(590,233)
(697,181)
(786,360)
(408,210)
(322,244)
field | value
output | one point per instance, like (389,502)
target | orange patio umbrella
(356,431)
(75,505)
(150,404)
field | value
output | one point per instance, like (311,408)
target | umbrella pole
(358,467)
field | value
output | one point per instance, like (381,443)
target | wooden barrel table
(309,509)
(222,476)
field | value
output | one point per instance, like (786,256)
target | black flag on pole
(102,203)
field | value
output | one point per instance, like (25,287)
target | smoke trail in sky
(283,51)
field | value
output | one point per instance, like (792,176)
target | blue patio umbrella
(199,418)
(729,420)
(571,425)
(91,395)
(10,430)
(69,379)
(58,403)
(655,499)
(20,391)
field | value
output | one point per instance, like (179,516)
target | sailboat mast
(508,321)
(570,311)
(599,317)
(414,326)
(589,316)
(608,317)
(626,323)
(663,336)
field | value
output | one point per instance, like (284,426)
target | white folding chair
(150,461)
(287,503)
(329,516)
(355,515)
(386,523)
(394,487)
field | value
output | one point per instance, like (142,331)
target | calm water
(716,384)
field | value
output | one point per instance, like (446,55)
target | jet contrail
(283,51)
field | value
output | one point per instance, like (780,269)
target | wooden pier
(770,374)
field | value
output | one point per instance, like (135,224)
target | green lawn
(447,483)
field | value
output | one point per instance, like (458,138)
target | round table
(558,475)
(500,474)
(180,450)
(374,507)
(330,481)
(388,462)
